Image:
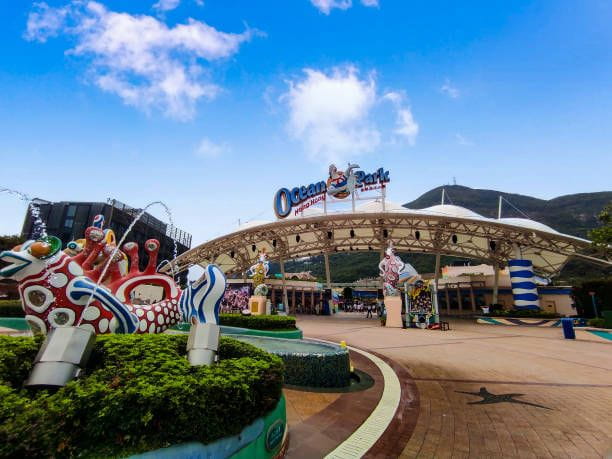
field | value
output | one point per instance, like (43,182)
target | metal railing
(177,234)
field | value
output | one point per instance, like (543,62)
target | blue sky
(211,106)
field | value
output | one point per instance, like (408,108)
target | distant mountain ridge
(573,214)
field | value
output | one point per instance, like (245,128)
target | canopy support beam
(285,300)
(327,272)
(495,282)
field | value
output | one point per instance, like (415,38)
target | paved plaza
(478,390)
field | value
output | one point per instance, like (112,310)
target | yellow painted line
(368,433)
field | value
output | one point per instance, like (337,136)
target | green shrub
(307,363)
(598,322)
(139,394)
(11,308)
(262,322)
(317,370)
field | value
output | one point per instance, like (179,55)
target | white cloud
(450,90)
(209,149)
(325,6)
(406,126)
(461,140)
(166,5)
(138,57)
(45,22)
(331,113)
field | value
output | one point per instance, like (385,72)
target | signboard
(339,185)
(274,435)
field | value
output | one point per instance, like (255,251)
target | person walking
(369,309)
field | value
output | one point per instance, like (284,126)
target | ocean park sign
(339,185)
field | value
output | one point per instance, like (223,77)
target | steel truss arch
(489,240)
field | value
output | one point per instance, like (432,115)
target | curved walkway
(489,391)
(368,433)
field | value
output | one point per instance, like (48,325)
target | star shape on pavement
(488,398)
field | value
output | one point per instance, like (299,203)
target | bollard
(61,357)
(203,343)
(568,328)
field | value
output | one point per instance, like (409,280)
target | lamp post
(592,294)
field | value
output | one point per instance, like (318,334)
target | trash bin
(568,328)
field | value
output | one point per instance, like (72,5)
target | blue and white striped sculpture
(524,288)
(201,300)
(200,304)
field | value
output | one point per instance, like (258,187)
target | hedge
(139,393)
(598,322)
(317,370)
(11,308)
(327,366)
(261,322)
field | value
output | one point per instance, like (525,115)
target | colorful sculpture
(59,288)
(341,184)
(259,272)
(390,267)
(420,298)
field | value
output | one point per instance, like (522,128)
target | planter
(265,438)
(308,363)
(138,393)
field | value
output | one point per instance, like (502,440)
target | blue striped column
(524,288)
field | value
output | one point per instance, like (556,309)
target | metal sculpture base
(393,305)
(61,357)
(203,343)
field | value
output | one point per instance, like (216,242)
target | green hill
(574,214)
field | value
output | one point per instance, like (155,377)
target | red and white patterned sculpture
(59,290)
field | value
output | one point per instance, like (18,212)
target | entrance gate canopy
(443,229)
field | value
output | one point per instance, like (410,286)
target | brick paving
(571,378)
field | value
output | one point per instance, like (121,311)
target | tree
(602,236)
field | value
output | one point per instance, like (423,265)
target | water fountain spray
(66,350)
(40,228)
(120,244)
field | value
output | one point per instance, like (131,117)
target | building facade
(465,289)
(68,221)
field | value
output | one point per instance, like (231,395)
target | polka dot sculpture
(58,288)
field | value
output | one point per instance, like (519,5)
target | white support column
(437,274)
(327,271)
(285,300)
(496,282)
(384,197)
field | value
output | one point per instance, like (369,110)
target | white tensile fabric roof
(445,229)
